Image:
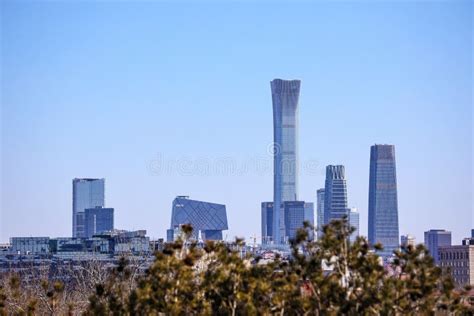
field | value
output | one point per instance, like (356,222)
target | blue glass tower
(354,222)
(285,95)
(335,194)
(86,193)
(383,203)
(98,220)
(435,238)
(320,212)
(267,221)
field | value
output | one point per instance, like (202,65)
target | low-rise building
(407,240)
(29,245)
(458,261)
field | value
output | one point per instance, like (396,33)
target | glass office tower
(353,222)
(383,204)
(86,193)
(335,194)
(320,211)
(285,95)
(296,213)
(435,238)
(98,220)
(267,222)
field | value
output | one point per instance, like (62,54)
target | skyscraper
(309,217)
(86,193)
(97,220)
(285,95)
(296,213)
(353,219)
(435,238)
(335,194)
(383,203)
(320,211)
(267,222)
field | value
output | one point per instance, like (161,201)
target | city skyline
(82,103)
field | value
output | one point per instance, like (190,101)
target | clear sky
(152,95)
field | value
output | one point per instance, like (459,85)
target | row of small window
(453,255)
(455,264)
(460,272)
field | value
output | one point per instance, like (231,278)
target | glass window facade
(285,96)
(436,238)
(98,220)
(208,218)
(383,203)
(354,222)
(86,193)
(296,213)
(320,211)
(267,222)
(335,194)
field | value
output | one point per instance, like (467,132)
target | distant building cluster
(94,234)
(457,260)
(282,217)
(105,244)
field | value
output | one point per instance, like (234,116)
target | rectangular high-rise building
(320,212)
(309,217)
(86,193)
(296,213)
(383,202)
(285,96)
(267,222)
(435,238)
(335,194)
(98,220)
(353,218)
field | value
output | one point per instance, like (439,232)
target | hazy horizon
(165,99)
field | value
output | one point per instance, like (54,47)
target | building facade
(435,238)
(459,262)
(309,217)
(285,96)
(267,222)
(209,219)
(407,240)
(383,200)
(353,218)
(320,212)
(335,194)
(296,213)
(86,193)
(98,220)
(30,245)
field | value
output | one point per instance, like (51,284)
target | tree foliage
(331,276)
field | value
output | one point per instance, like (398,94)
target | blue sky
(120,89)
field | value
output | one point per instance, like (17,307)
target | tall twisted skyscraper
(285,95)
(383,204)
(86,193)
(335,194)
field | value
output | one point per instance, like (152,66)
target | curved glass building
(208,218)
